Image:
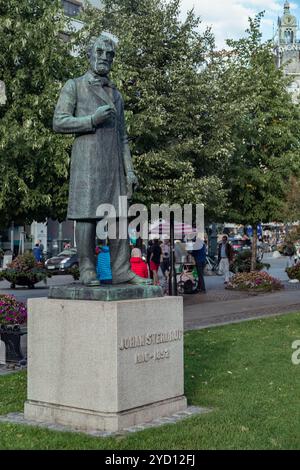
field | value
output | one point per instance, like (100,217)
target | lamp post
(12,237)
(213,242)
(172,276)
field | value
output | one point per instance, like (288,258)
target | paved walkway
(223,307)
(220,306)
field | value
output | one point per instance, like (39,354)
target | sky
(229,18)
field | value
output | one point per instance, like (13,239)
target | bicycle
(212,265)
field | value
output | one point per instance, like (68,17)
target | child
(138,265)
(104,273)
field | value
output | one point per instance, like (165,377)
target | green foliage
(34,62)
(292,200)
(265,130)
(204,127)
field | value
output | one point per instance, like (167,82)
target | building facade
(287,48)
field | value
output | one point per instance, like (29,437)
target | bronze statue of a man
(101,167)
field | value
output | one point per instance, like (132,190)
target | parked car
(64,261)
(239,245)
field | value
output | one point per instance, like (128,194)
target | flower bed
(255,282)
(12,312)
(294,272)
(24,271)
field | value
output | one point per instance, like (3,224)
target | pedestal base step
(18,418)
(86,420)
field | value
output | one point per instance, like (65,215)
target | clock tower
(287,48)
(287,27)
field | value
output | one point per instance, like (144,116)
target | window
(71,7)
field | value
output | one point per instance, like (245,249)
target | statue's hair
(107,38)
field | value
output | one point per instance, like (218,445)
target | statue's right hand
(102,114)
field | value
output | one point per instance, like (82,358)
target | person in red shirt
(138,265)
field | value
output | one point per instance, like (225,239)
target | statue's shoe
(140,281)
(89,279)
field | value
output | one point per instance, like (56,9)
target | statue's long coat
(97,165)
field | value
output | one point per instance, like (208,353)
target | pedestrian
(138,265)
(291,252)
(150,245)
(165,264)
(41,246)
(37,253)
(199,255)
(103,267)
(155,260)
(225,256)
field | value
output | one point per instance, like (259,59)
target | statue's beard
(100,69)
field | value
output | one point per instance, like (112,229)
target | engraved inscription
(152,339)
(142,358)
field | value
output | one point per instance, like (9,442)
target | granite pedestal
(104,366)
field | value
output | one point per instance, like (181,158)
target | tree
(292,203)
(159,69)
(34,62)
(265,132)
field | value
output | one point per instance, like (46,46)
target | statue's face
(102,57)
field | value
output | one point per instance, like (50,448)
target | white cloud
(229,18)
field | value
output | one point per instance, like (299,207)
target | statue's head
(3,98)
(101,53)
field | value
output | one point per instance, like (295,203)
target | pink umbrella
(180,229)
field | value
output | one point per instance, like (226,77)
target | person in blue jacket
(37,253)
(104,272)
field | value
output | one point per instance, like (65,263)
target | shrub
(24,270)
(255,281)
(12,312)
(294,272)
(242,263)
(24,263)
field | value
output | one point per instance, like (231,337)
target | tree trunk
(254,249)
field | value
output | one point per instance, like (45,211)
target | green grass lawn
(243,371)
